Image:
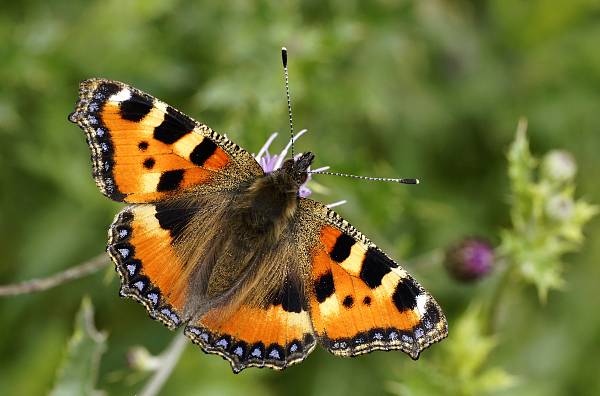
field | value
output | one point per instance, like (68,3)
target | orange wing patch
(276,336)
(142,149)
(363,301)
(151,272)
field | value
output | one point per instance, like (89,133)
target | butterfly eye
(302,177)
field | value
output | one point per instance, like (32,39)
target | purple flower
(270,162)
(470,260)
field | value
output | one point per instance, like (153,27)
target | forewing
(144,150)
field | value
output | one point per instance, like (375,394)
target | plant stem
(169,359)
(496,297)
(36,285)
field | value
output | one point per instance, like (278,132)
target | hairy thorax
(265,208)
(259,215)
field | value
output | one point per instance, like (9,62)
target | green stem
(497,295)
(36,285)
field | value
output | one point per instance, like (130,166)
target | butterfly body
(264,210)
(256,273)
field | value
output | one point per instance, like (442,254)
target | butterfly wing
(151,271)
(143,150)
(276,335)
(361,300)
(146,151)
(155,245)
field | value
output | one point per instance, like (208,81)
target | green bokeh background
(430,89)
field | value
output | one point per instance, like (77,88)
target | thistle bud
(559,165)
(469,260)
(560,208)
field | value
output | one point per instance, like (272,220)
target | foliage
(79,369)
(547,220)
(461,365)
(542,231)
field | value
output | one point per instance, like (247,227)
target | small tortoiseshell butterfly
(211,242)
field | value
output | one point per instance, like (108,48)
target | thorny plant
(547,222)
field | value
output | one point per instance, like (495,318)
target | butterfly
(209,241)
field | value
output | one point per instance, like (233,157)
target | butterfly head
(297,168)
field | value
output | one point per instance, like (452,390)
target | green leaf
(79,368)
(493,380)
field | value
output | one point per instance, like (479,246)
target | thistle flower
(271,162)
(470,260)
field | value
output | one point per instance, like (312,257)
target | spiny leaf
(79,368)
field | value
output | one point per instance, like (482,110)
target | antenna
(322,171)
(287,93)
(384,179)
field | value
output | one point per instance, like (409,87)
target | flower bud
(560,208)
(559,165)
(470,260)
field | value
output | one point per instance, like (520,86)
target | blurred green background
(430,89)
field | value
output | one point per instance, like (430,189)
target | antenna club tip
(284,56)
(409,181)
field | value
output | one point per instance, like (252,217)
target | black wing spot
(135,108)
(405,295)
(143,145)
(348,302)
(290,296)
(170,180)
(367,301)
(203,151)
(433,312)
(308,339)
(173,127)
(108,89)
(324,287)
(374,268)
(149,163)
(174,219)
(342,247)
